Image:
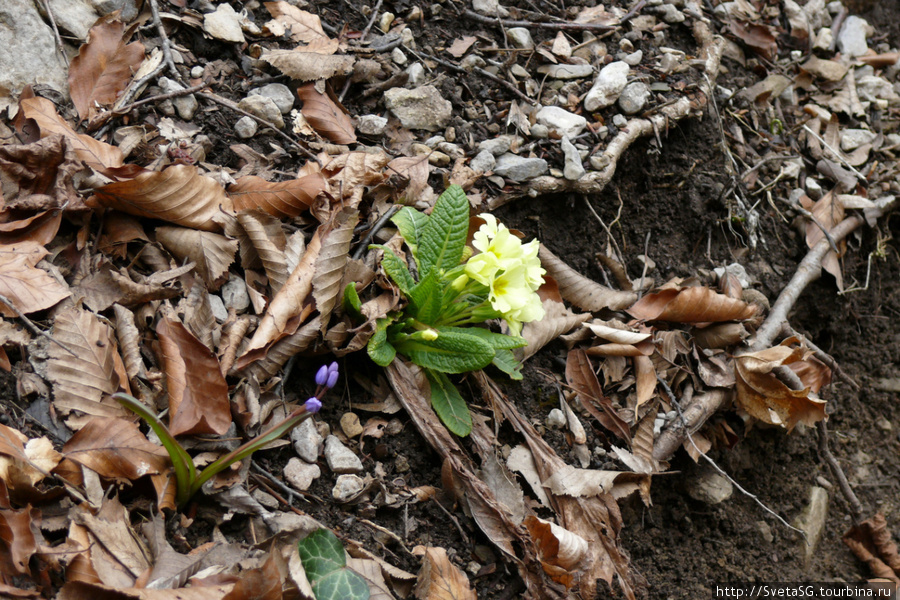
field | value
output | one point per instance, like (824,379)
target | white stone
(634,59)
(483,162)
(264,108)
(556,419)
(416,73)
(28,49)
(279,93)
(398,57)
(340,458)
(567,124)
(218,308)
(300,474)
(489,8)
(813,189)
(619,120)
(185,105)
(371,124)
(851,40)
(851,139)
(518,168)
(420,108)
(496,146)
(306,440)
(812,522)
(709,486)
(540,132)
(634,97)
(197,71)
(573,169)
(566,71)
(347,487)
(224,24)
(610,82)
(670,14)
(75,16)
(874,88)
(234,292)
(520,37)
(738,271)
(245,127)
(824,39)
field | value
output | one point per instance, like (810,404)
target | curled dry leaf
(757,37)
(20,539)
(44,170)
(95,154)
(198,394)
(351,170)
(571,481)
(116,449)
(721,335)
(179,195)
(765,397)
(29,288)
(129,341)
(564,555)
(332,262)
(305,27)
(691,305)
(581,291)
(828,211)
(262,243)
(325,115)
(871,542)
(619,335)
(283,199)
(308,63)
(581,377)
(645,374)
(211,253)
(440,579)
(557,321)
(103,67)
(416,170)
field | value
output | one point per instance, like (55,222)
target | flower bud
(322,375)
(313,405)
(429,335)
(332,375)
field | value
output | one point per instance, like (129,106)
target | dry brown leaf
(325,115)
(564,555)
(20,539)
(263,583)
(198,315)
(690,305)
(29,288)
(266,365)
(616,332)
(461,45)
(351,170)
(557,321)
(721,335)
(871,542)
(84,378)
(40,175)
(305,64)
(332,262)
(283,199)
(129,341)
(198,394)
(757,37)
(179,195)
(581,377)
(812,372)
(645,374)
(416,170)
(103,67)
(116,449)
(370,570)
(97,155)
(440,579)
(211,253)
(828,211)
(592,482)
(765,397)
(305,27)
(266,246)
(581,291)
(40,228)
(81,590)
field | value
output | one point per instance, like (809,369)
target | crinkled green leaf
(321,553)
(498,341)
(448,404)
(506,361)
(379,348)
(410,222)
(450,352)
(444,235)
(427,298)
(396,270)
(352,304)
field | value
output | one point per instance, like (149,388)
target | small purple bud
(332,379)
(313,405)
(322,375)
(333,367)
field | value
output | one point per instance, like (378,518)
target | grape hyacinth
(326,378)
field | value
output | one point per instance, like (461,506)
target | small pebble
(246,127)
(346,487)
(197,72)
(540,132)
(371,124)
(398,56)
(301,474)
(340,458)
(401,464)
(556,419)
(823,482)
(218,308)
(883,424)
(619,120)
(350,425)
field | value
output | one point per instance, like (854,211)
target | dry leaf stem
(60,49)
(34,328)
(830,362)
(362,38)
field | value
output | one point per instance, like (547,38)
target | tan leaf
(24,462)
(19,539)
(645,374)
(265,365)
(416,169)
(263,583)
(325,115)
(40,228)
(812,372)
(592,482)
(97,155)
(117,553)
(332,262)
(305,27)
(211,253)
(308,66)
(828,211)
(440,579)
(283,199)
(563,553)
(370,570)
(103,67)
(179,195)
(267,241)
(348,171)
(129,341)
(84,378)
(615,332)
(40,175)
(721,335)
(82,590)
(461,45)
(758,37)
(765,397)
(557,321)
(581,377)
(690,305)
(29,288)
(581,291)
(116,449)
(198,394)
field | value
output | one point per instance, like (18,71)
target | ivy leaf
(410,223)
(444,235)
(450,352)
(343,584)
(322,556)
(448,404)
(379,348)
(396,270)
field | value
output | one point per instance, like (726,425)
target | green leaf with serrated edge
(426,299)
(498,341)
(444,236)
(352,304)
(506,361)
(379,348)
(450,352)
(396,270)
(343,584)
(448,404)
(321,553)
(410,223)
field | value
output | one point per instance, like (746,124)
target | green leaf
(396,270)
(506,361)
(448,404)
(343,584)
(321,553)
(410,222)
(426,298)
(352,304)
(444,235)
(498,341)
(451,352)
(379,348)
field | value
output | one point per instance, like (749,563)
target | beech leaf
(332,262)
(581,377)
(283,199)
(304,65)
(116,449)
(211,253)
(557,321)
(563,554)
(440,579)
(325,115)
(305,26)
(29,288)
(581,291)
(267,242)
(691,305)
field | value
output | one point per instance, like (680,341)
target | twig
(836,153)
(823,356)
(856,510)
(34,328)
(166,49)
(796,206)
(229,104)
(264,482)
(362,38)
(561,25)
(59,43)
(102,119)
(478,70)
(375,229)
(721,472)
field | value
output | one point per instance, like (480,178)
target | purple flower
(313,405)
(322,375)
(332,375)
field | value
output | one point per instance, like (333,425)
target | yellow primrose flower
(483,267)
(509,290)
(496,239)
(534,272)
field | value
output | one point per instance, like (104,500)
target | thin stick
(796,206)
(375,229)
(856,510)
(34,328)
(561,25)
(166,49)
(59,43)
(100,121)
(835,152)
(229,104)
(362,38)
(823,356)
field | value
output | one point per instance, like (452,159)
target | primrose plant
(187,480)
(455,287)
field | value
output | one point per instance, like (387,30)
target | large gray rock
(565,123)
(75,16)
(518,168)
(28,49)
(610,82)
(420,108)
